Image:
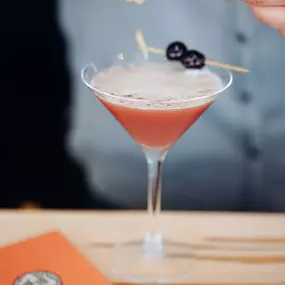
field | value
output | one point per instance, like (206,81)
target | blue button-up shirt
(233,158)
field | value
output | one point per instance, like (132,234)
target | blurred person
(34,117)
(233,157)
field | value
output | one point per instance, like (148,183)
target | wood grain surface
(232,249)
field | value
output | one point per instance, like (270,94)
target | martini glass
(153,259)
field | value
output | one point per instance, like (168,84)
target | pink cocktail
(155,127)
(156,101)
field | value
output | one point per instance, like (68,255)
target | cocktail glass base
(152,261)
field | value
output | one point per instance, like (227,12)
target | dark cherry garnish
(175,51)
(193,59)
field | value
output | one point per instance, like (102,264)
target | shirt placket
(247,98)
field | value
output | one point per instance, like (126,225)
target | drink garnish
(193,59)
(142,45)
(190,59)
(145,49)
(175,51)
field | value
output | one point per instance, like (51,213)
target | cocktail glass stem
(153,242)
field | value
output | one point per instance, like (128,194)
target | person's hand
(136,1)
(270,12)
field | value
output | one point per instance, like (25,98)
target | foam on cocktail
(156,84)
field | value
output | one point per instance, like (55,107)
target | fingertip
(272,16)
(282,33)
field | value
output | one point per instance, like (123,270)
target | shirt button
(252,152)
(241,38)
(245,97)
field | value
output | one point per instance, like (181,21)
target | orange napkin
(51,259)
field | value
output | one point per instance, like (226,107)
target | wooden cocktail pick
(145,49)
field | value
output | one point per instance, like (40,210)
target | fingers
(272,16)
(265,2)
(136,1)
(270,12)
